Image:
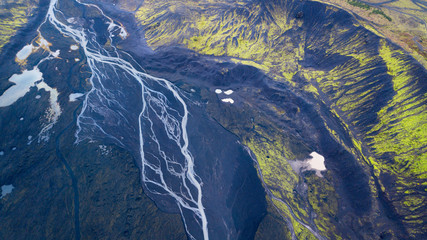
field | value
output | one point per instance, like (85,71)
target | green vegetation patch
(13,15)
(380,12)
(368,85)
(359,4)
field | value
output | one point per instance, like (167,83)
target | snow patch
(316,163)
(218,91)
(74,47)
(228,100)
(1,153)
(228,92)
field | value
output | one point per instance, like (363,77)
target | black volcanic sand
(63,190)
(233,195)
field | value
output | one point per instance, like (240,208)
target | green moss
(273,225)
(13,16)
(300,231)
(359,4)
(403,126)
(324,201)
(380,12)
(391,142)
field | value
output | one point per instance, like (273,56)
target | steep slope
(14,15)
(367,95)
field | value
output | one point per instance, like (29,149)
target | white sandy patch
(6,189)
(316,163)
(218,91)
(228,100)
(23,83)
(25,52)
(74,47)
(228,92)
(74,96)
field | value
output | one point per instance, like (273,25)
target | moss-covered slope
(14,15)
(368,96)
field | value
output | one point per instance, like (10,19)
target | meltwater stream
(143,113)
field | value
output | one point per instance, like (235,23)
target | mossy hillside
(388,109)
(405,116)
(238,30)
(395,133)
(338,61)
(400,138)
(273,148)
(322,196)
(14,15)
(401,21)
(299,230)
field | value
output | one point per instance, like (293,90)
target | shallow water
(23,83)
